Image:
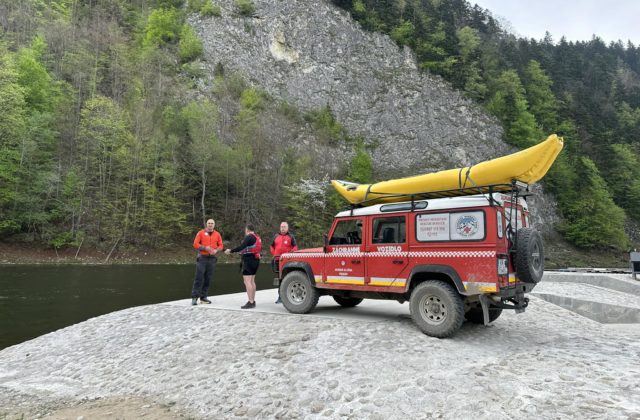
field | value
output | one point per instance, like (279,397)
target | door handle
(355,261)
(398,261)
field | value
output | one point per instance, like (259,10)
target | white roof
(446,203)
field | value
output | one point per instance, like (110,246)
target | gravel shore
(174,360)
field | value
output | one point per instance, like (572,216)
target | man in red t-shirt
(282,243)
(208,242)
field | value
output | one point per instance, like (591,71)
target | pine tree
(510,106)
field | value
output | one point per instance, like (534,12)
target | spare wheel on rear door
(529,259)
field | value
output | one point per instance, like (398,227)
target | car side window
(389,230)
(347,232)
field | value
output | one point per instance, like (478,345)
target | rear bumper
(515,289)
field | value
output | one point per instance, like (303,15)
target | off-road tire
(298,294)
(437,308)
(347,302)
(475,316)
(529,259)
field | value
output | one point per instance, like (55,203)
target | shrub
(195,5)
(190,45)
(162,27)
(210,9)
(245,7)
(329,130)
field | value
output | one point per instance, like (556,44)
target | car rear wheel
(347,302)
(475,316)
(298,294)
(437,308)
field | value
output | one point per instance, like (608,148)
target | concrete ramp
(613,299)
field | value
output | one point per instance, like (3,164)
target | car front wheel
(298,294)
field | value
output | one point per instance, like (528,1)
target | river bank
(39,254)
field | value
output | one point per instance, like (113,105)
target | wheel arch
(424,272)
(298,266)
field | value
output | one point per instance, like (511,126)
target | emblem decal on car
(467,225)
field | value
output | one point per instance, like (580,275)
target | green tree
(468,42)
(211,162)
(592,218)
(361,166)
(470,73)
(403,34)
(38,149)
(623,177)
(190,45)
(542,102)
(33,76)
(163,26)
(202,125)
(103,143)
(13,115)
(510,106)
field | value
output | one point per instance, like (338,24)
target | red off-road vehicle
(451,258)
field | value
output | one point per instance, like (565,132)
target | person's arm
(294,244)
(219,246)
(272,247)
(247,241)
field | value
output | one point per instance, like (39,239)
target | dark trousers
(205,267)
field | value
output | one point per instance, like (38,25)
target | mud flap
(485,302)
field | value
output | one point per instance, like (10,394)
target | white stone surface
(588,292)
(216,361)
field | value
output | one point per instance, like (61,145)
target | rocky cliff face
(312,54)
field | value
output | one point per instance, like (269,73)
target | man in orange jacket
(208,242)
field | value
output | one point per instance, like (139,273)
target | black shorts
(250,266)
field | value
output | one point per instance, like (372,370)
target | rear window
(451,226)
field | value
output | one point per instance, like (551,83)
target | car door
(345,258)
(387,256)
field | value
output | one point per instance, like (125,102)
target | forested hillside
(109,136)
(587,90)
(105,141)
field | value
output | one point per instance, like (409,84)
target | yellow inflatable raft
(528,166)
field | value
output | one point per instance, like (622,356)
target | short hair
(250,227)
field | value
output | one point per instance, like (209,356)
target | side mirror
(326,242)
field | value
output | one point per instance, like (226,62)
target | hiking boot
(204,300)
(248,305)
(279,300)
(194,301)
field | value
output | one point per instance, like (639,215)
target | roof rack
(521,187)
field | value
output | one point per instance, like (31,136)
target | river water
(36,300)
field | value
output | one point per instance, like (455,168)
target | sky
(578,20)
